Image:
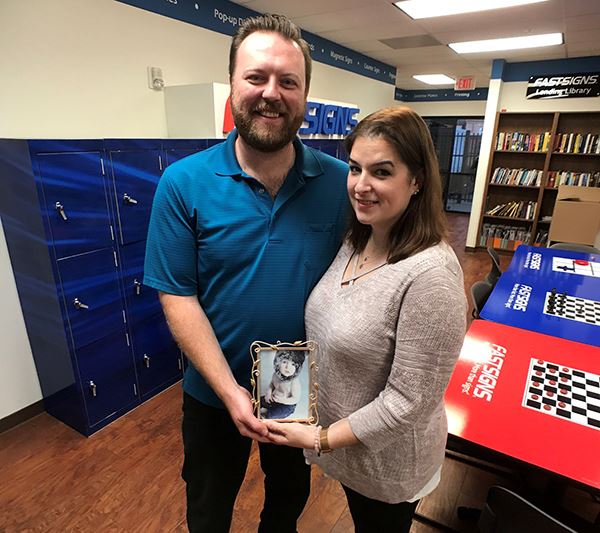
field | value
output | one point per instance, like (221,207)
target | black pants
(373,516)
(215,461)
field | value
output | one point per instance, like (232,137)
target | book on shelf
(514,209)
(577,179)
(577,143)
(503,236)
(541,238)
(515,141)
(517,176)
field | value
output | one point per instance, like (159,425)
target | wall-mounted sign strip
(225,17)
(440,95)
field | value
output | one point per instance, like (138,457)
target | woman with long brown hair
(389,319)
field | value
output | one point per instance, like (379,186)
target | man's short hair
(271,23)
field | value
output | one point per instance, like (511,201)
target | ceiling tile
(586,22)
(382,31)
(366,46)
(576,8)
(583,49)
(582,36)
(357,18)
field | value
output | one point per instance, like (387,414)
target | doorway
(457,142)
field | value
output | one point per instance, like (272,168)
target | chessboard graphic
(563,392)
(581,267)
(571,307)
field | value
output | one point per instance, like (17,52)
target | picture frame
(284,381)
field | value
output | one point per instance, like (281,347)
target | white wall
(19,386)
(77,69)
(448,109)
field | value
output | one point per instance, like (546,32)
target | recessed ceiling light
(434,79)
(507,43)
(421,9)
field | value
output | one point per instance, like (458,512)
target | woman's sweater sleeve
(429,335)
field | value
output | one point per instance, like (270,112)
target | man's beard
(263,137)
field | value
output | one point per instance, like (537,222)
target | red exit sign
(464,83)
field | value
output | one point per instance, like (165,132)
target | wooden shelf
(520,151)
(574,154)
(513,219)
(530,187)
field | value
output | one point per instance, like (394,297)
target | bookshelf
(531,155)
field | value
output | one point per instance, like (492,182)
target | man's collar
(306,163)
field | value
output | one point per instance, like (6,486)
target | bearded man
(239,235)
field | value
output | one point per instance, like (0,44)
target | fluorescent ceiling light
(434,79)
(507,43)
(421,9)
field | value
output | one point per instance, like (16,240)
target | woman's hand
(291,434)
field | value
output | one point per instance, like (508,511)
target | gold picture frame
(284,381)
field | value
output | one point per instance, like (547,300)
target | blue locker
(91,296)
(136,168)
(158,359)
(72,188)
(157,356)
(107,379)
(142,301)
(177,149)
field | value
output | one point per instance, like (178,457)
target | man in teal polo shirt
(239,235)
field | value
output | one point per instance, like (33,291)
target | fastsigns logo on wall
(320,119)
(563,86)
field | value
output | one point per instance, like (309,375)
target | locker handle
(80,305)
(129,200)
(61,210)
(138,287)
(147,361)
(92,388)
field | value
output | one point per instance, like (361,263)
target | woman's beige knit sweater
(387,346)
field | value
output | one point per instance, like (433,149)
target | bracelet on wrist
(324,442)
(317,443)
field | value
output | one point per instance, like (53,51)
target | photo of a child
(285,387)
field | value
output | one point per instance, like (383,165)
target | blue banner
(440,95)
(225,17)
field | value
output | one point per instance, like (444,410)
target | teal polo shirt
(251,260)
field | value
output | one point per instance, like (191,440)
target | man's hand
(241,411)
(291,434)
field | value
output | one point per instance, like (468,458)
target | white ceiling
(361,25)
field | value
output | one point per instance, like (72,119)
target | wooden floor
(126,477)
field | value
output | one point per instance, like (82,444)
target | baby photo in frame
(284,381)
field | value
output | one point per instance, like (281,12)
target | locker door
(135,174)
(107,377)
(142,301)
(158,358)
(74,201)
(92,296)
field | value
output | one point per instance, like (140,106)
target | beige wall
(77,69)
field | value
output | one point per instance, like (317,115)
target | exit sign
(464,83)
